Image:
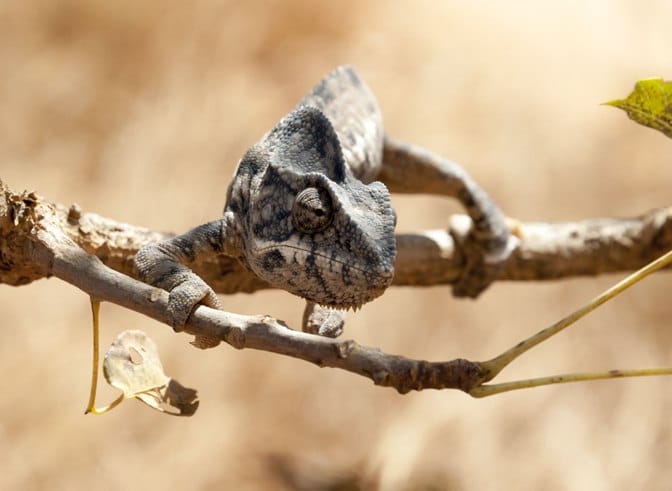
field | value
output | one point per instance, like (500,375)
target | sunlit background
(139,111)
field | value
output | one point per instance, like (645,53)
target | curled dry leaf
(132,365)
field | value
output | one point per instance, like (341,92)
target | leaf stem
(91,406)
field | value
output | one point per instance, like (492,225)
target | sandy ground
(140,113)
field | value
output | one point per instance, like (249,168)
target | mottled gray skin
(303,213)
(304,222)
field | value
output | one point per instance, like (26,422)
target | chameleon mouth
(320,278)
(350,306)
(353,304)
(384,272)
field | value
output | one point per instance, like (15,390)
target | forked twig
(493,367)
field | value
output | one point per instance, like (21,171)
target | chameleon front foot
(184,298)
(159,264)
(324,321)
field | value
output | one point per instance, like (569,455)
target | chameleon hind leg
(485,240)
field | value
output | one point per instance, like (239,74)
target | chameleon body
(304,213)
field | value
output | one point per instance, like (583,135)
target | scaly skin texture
(303,213)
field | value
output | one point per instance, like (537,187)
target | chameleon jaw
(311,275)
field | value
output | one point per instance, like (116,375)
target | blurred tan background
(140,110)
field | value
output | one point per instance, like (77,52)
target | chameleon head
(308,225)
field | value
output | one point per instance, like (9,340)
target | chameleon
(306,211)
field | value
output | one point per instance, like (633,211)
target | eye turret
(313,210)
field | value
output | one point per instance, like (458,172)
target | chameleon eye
(312,211)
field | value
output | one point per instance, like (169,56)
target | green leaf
(650,104)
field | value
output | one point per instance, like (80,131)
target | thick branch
(545,250)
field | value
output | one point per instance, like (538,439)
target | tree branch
(546,251)
(40,239)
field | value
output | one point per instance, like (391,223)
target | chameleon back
(353,112)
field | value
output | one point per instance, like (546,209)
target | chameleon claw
(185,297)
(324,321)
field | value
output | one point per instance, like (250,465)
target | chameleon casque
(304,214)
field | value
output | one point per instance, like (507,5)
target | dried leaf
(132,365)
(649,104)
